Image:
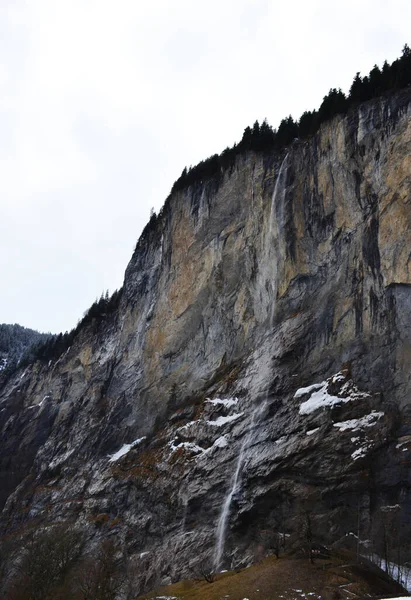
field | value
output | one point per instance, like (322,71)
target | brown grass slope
(289,578)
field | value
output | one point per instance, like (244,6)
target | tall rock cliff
(258,362)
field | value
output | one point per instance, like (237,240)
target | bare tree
(388,548)
(307,532)
(205,570)
(306,507)
(133,577)
(272,541)
(42,567)
(100,576)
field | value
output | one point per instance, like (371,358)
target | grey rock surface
(290,271)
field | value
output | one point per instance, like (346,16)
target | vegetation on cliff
(263,138)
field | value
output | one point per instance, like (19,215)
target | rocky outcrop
(264,312)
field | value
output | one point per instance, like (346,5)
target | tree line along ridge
(263,138)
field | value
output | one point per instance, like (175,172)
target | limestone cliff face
(290,270)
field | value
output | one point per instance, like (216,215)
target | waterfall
(235,482)
(184,502)
(269,276)
(225,512)
(279,185)
(271,243)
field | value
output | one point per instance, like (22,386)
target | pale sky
(104,102)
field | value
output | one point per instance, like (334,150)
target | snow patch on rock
(226,402)
(221,442)
(308,390)
(220,421)
(360,452)
(187,446)
(403,443)
(312,431)
(40,403)
(124,449)
(187,425)
(320,398)
(353,424)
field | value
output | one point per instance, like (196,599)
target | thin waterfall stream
(225,512)
(270,262)
(279,190)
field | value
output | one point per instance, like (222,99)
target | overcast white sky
(102,104)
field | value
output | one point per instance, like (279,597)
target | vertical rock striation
(287,278)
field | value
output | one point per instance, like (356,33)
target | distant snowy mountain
(15,341)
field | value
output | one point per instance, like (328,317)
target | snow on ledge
(39,405)
(320,398)
(338,377)
(367,421)
(224,420)
(187,446)
(403,441)
(312,431)
(226,402)
(124,449)
(187,425)
(220,442)
(360,452)
(307,390)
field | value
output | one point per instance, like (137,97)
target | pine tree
(333,104)
(356,89)
(308,124)
(287,132)
(246,140)
(404,68)
(386,77)
(376,81)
